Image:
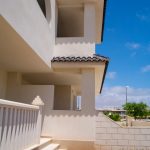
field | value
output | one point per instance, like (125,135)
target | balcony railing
(20,125)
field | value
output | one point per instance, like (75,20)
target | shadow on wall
(45,8)
(69,113)
(74,40)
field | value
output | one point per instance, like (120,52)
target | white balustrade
(20,125)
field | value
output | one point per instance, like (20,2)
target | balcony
(20,126)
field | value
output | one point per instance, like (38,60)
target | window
(77,103)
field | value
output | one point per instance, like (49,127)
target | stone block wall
(111,136)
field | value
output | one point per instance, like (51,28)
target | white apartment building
(47,58)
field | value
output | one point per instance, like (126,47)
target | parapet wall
(111,136)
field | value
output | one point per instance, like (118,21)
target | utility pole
(126,94)
(126,104)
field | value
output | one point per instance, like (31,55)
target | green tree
(136,109)
(113,116)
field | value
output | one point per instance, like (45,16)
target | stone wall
(111,136)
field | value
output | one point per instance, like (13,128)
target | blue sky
(127,43)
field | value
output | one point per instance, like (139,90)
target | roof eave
(100,21)
(104,75)
(103,24)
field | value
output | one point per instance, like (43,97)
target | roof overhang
(100,6)
(15,54)
(77,64)
(104,75)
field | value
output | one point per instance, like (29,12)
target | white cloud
(116,96)
(141,16)
(133,45)
(146,68)
(111,75)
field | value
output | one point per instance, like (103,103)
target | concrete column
(38,102)
(89,21)
(88,90)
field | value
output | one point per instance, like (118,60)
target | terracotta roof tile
(94,58)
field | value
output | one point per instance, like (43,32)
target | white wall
(88,90)
(13,83)
(79,46)
(69,125)
(16,91)
(90,22)
(3,84)
(27,93)
(29,22)
(111,136)
(74,125)
(73,48)
(40,32)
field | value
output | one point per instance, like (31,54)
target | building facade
(47,49)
